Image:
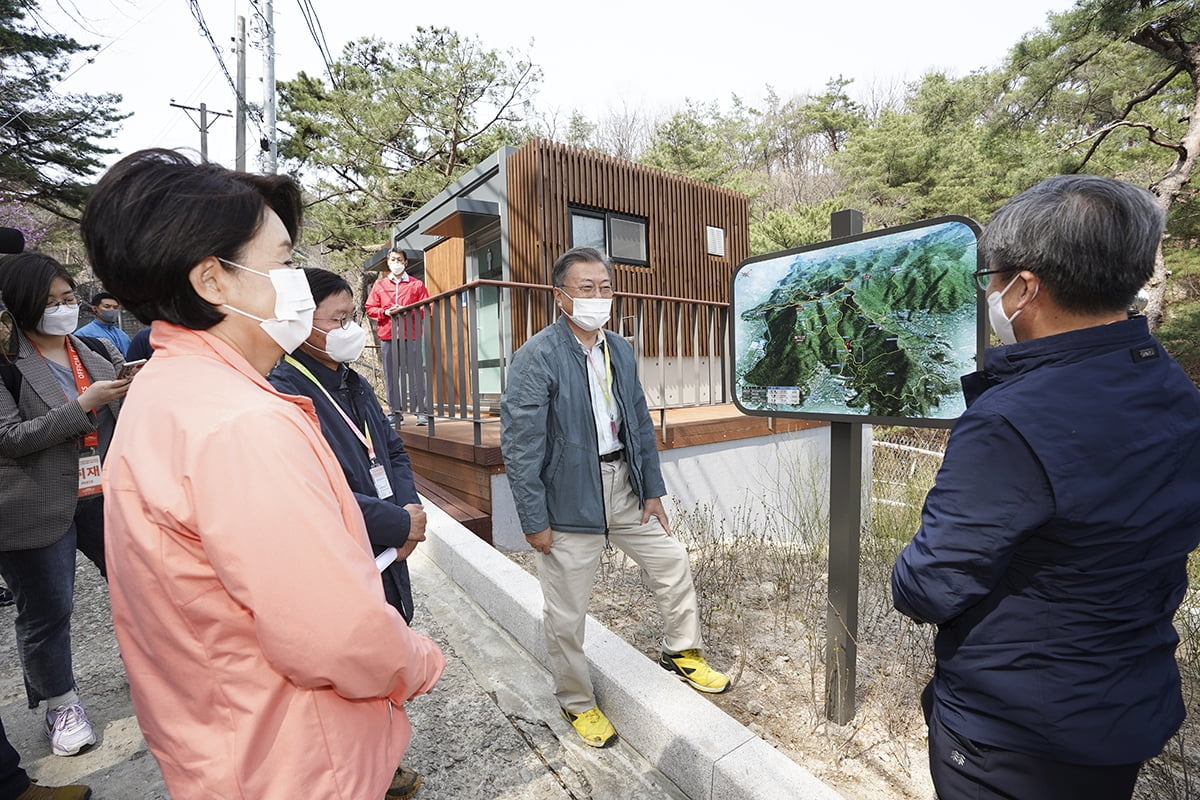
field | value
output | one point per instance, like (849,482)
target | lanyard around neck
(82,382)
(604,380)
(363,435)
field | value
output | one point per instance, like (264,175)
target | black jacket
(387,521)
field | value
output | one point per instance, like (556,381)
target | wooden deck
(450,459)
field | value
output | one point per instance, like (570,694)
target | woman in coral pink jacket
(262,657)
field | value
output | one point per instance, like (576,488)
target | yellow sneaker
(592,726)
(690,667)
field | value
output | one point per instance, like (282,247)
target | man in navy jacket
(370,453)
(357,430)
(1053,547)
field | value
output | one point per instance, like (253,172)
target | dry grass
(762,584)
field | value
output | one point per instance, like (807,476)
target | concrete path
(490,729)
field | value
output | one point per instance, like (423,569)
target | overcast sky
(648,55)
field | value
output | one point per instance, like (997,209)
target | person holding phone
(59,402)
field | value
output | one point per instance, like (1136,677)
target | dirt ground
(779,691)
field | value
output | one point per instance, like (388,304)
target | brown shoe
(36,792)
(404,784)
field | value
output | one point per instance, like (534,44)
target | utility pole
(269,90)
(239,145)
(203,124)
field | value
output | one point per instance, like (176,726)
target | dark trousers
(42,581)
(13,780)
(966,770)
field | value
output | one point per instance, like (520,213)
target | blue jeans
(42,581)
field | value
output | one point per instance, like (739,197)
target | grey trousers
(406,383)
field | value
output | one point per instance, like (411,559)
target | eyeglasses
(342,320)
(982,280)
(68,301)
(590,290)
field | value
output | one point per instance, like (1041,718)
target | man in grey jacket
(579,449)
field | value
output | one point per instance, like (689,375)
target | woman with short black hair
(59,401)
(263,659)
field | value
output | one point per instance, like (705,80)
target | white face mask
(396,268)
(1001,324)
(590,313)
(294,307)
(59,320)
(344,344)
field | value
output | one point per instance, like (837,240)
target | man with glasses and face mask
(580,453)
(1053,548)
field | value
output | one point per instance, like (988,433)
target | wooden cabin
(485,248)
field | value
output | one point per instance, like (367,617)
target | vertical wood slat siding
(545,178)
(445,266)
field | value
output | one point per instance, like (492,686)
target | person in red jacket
(390,295)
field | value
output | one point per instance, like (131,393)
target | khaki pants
(569,569)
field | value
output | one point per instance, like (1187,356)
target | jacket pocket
(572,487)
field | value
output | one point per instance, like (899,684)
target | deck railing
(470,333)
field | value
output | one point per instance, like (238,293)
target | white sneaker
(69,730)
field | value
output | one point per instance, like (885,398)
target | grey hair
(1092,240)
(578,255)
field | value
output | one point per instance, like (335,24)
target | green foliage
(693,143)
(937,155)
(781,229)
(50,142)
(394,125)
(1180,326)
(1107,84)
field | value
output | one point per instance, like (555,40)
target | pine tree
(51,142)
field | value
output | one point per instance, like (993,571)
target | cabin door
(486,265)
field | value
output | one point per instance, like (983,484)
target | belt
(615,455)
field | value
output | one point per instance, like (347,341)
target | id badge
(383,489)
(89,474)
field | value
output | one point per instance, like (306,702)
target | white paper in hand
(385,559)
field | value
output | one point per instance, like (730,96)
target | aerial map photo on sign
(877,327)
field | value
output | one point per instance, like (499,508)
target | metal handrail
(681,346)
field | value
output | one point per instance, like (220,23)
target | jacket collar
(563,329)
(1009,361)
(331,379)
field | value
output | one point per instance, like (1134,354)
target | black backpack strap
(97,345)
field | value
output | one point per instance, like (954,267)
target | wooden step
(473,519)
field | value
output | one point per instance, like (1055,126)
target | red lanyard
(82,382)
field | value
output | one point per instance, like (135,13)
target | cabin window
(622,236)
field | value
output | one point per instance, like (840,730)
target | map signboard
(877,327)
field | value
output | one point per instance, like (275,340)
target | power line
(318,36)
(256,116)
